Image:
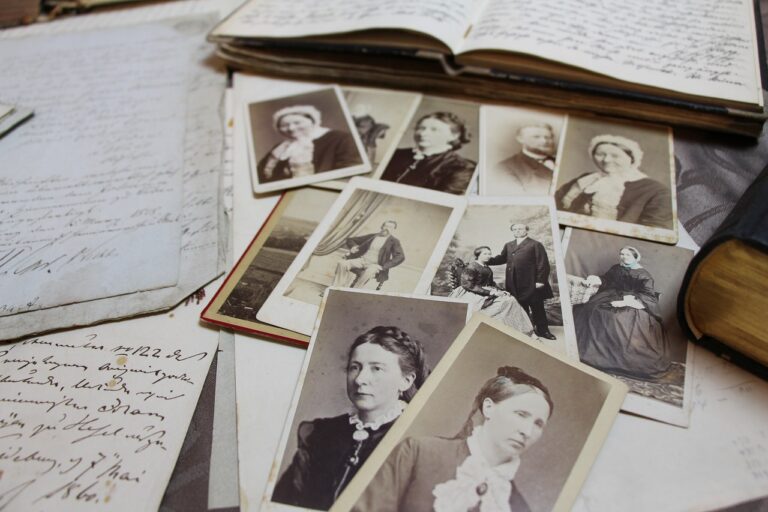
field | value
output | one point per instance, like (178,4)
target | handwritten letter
(445,20)
(700,47)
(94,419)
(90,188)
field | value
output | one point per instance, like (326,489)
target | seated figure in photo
(619,328)
(474,470)
(308,148)
(530,170)
(385,368)
(476,284)
(435,162)
(369,257)
(619,189)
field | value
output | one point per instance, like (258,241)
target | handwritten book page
(445,20)
(94,419)
(93,182)
(698,47)
(203,147)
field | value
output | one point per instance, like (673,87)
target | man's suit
(527,264)
(389,255)
(526,175)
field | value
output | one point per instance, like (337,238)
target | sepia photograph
(505,258)
(617,178)
(501,424)
(301,139)
(518,153)
(370,354)
(377,236)
(381,117)
(624,296)
(440,149)
(267,258)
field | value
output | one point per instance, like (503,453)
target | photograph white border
(579,471)
(654,234)
(267,502)
(651,407)
(570,349)
(299,316)
(253,159)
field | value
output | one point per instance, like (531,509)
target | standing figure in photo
(476,284)
(435,162)
(527,276)
(531,169)
(370,256)
(308,148)
(619,330)
(619,190)
(385,368)
(474,470)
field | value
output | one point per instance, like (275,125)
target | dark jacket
(333,150)
(410,473)
(646,202)
(527,264)
(444,172)
(321,465)
(530,175)
(390,255)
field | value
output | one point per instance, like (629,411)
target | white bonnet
(629,146)
(302,110)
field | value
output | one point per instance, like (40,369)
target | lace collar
(389,415)
(477,483)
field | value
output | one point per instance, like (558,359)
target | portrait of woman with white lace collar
(475,469)
(302,139)
(502,425)
(613,175)
(361,373)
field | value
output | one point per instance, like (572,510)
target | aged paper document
(93,182)
(200,215)
(93,419)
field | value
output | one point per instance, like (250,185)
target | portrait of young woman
(501,425)
(360,376)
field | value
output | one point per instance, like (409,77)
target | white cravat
(477,482)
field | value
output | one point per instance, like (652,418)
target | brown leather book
(723,302)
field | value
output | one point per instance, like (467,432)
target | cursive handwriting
(679,44)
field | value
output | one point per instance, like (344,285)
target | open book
(696,54)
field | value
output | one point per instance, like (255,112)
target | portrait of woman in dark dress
(619,329)
(474,470)
(476,284)
(385,368)
(619,189)
(434,162)
(309,147)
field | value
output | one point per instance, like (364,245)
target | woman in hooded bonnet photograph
(474,470)
(309,147)
(619,189)
(385,368)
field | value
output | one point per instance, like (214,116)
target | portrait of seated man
(369,257)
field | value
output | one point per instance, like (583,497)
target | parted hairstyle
(508,382)
(410,353)
(480,249)
(458,126)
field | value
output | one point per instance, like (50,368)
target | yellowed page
(698,47)
(445,20)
